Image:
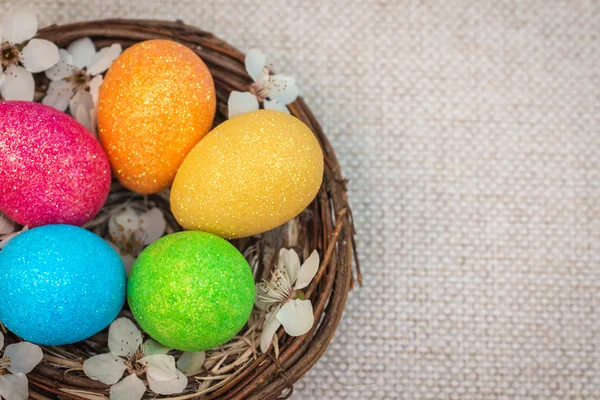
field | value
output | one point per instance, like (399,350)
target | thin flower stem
(62,361)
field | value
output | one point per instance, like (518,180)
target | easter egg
(60,284)
(250,174)
(52,170)
(191,291)
(156,102)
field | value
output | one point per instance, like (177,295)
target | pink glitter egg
(52,170)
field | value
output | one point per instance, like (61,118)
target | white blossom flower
(20,55)
(76,79)
(127,353)
(19,359)
(8,229)
(130,233)
(281,296)
(274,91)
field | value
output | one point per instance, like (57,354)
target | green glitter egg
(191,291)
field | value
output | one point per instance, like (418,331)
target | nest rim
(330,230)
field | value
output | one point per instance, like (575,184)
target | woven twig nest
(236,370)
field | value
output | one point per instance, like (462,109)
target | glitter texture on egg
(156,102)
(191,291)
(60,284)
(250,174)
(52,170)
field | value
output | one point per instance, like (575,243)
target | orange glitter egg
(156,102)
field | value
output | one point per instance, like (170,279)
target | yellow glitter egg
(156,102)
(250,174)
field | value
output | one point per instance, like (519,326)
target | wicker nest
(236,370)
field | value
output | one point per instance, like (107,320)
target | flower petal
(4,239)
(95,88)
(39,55)
(289,259)
(7,225)
(171,386)
(19,24)
(80,97)
(76,100)
(14,387)
(103,59)
(296,316)
(191,363)
(106,368)
(127,259)
(283,89)
(275,105)
(241,103)
(130,388)
(83,117)
(64,68)
(280,286)
(83,104)
(160,367)
(152,347)
(265,296)
(59,94)
(18,84)
(153,223)
(82,50)
(123,224)
(124,338)
(264,77)
(269,329)
(255,62)
(308,270)
(24,356)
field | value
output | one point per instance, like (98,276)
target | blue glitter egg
(59,284)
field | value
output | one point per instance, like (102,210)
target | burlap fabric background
(469,131)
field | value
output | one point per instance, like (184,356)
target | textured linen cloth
(470,133)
